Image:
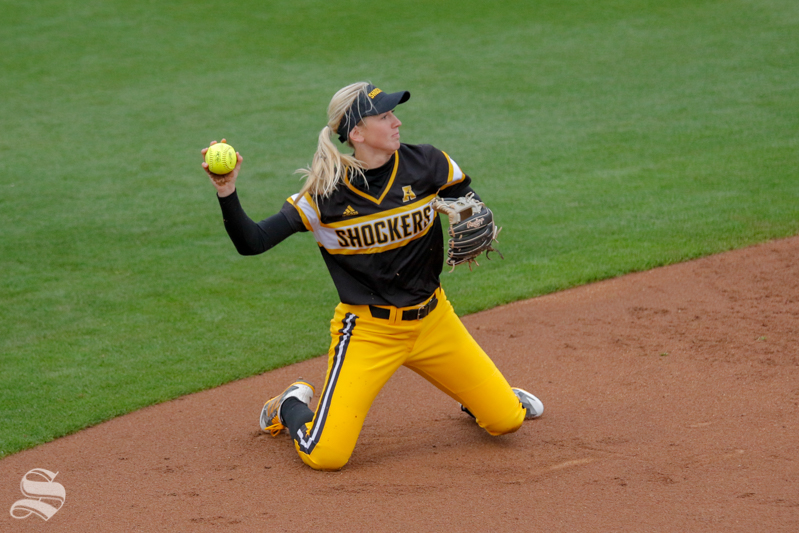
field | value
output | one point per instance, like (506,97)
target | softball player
(370,213)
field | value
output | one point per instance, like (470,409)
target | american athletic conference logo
(44,497)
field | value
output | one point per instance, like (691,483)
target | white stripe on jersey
(369,234)
(455,173)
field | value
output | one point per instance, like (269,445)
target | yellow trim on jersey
(383,214)
(385,191)
(305,221)
(455,173)
(378,249)
(368,234)
(449,163)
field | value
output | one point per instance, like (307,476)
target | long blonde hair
(329,165)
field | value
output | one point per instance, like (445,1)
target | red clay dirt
(672,402)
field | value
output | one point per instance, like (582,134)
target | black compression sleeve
(459,190)
(248,237)
(295,415)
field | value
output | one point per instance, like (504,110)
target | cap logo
(374,93)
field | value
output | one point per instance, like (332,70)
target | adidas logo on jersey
(349,212)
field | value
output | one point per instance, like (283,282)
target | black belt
(409,314)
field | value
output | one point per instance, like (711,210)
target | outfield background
(608,137)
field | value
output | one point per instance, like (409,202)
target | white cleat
(532,405)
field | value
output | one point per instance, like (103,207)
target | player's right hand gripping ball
(471,229)
(221,158)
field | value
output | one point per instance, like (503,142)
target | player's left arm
(452,182)
(471,224)
(460,189)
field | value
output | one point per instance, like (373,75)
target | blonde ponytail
(329,165)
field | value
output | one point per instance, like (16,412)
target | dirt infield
(672,405)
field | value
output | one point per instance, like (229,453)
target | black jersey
(383,244)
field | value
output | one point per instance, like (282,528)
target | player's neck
(372,158)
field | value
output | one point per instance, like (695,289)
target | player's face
(381,132)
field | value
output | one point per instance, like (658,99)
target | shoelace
(275,428)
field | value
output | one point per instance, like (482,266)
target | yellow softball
(221,158)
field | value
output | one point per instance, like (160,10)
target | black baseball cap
(374,102)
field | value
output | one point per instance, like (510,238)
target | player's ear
(356,134)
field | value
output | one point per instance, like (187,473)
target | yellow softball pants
(366,351)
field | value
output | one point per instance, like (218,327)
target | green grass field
(609,137)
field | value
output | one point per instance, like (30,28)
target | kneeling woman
(371,215)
